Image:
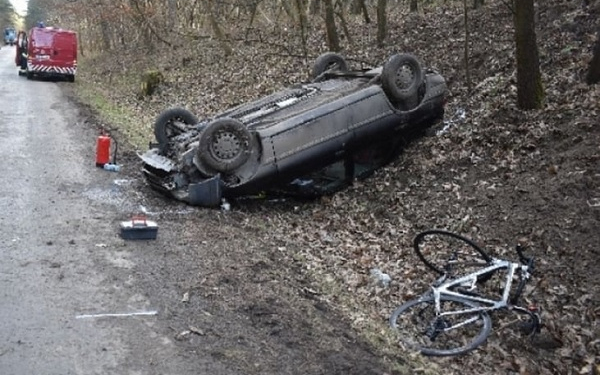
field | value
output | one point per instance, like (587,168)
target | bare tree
(333,39)
(171,13)
(414,6)
(381,22)
(217,30)
(593,75)
(467,40)
(530,92)
(339,11)
(360,6)
(303,21)
(7,13)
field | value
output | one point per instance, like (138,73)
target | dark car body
(289,134)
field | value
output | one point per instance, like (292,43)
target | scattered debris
(116,315)
(111,167)
(382,279)
(225,206)
(197,331)
(186,297)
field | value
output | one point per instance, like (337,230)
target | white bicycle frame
(470,281)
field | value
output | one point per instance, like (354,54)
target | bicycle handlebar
(526,261)
(522,258)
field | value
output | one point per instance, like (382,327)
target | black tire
(419,328)
(225,145)
(327,61)
(449,253)
(165,126)
(29,74)
(71,78)
(401,78)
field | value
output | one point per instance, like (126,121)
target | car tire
(163,129)
(401,78)
(225,145)
(328,61)
(29,74)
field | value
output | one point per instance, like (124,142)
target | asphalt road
(61,260)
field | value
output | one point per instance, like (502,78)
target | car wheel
(401,78)
(166,127)
(225,145)
(29,74)
(327,61)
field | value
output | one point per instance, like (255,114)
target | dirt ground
(284,287)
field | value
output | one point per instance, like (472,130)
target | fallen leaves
(492,173)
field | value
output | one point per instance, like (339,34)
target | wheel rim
(419,328)
(225,145)
(333,65)
(448,253)
(405,76)
(172,130)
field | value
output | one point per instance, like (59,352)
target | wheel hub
(226,145)
(405,76)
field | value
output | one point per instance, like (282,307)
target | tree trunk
(314,7)
(171,14)
(289,10)
(593,75)
(358,7)
(355,7)
(467,40)
(105,35)
(340,14)
(381,22)
(303,19)
(365,11)
(333,39)
(214,24)
(414,6)
(530,92)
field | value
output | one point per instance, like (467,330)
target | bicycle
(452,318)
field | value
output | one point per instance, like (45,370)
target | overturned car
(342,124)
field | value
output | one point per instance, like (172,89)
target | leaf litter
(493,173)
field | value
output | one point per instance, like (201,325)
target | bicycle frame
(471,279)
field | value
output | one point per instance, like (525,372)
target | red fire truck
(47,51)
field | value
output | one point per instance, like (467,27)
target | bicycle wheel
(421,329)
(449,253)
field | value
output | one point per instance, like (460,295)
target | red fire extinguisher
(103,150)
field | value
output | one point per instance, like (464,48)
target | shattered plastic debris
(225,206)
(459,117)
(383,279)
